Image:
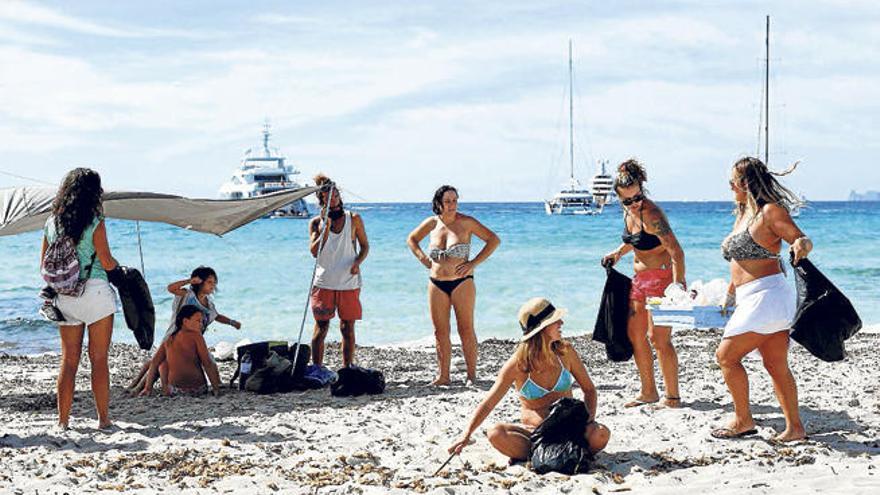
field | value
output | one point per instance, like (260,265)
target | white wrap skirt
(765,305)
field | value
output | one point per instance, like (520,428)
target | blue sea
(264,269)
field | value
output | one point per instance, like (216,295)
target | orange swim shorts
(326,302)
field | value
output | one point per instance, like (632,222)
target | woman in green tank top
(77,212)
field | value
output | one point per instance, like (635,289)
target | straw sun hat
(537,314)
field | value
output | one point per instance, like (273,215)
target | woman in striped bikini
(451,284)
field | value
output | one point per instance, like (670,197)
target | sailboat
(573,199)
(802,200)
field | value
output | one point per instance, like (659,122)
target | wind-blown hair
(184,313)
(629,173)
(761,186)
(538,351)
(437,202)
(78,202)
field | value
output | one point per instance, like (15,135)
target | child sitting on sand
(183,360)
(202,282)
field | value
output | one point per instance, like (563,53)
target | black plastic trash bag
(613,314)
(252,357)
(137,304)
(825,318)
(558,443)
(354,381)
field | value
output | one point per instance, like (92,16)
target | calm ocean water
(264,268)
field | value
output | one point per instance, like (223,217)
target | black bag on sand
(824,318)
(137,303)
(273,377)
(613,314)
(252,357)
(354,381)
(558,443)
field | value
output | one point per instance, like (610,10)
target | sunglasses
(734,184)
(635,199)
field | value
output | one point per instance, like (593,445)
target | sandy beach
(314,443)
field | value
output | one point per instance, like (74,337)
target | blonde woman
(543,370)
(765,302)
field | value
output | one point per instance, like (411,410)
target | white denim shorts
(97,302)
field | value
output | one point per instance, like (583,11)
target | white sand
(314,443)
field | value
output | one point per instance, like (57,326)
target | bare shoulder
(314,222)
(774,211)
(655,220)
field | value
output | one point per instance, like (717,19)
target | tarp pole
(302,325)
(137,225)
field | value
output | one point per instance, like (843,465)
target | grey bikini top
(461,250)
(742,246)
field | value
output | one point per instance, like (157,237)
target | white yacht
(574,199)
(263,174)
(603,187)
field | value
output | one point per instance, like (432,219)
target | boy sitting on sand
(183,360)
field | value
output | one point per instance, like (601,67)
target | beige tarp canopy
(24,209)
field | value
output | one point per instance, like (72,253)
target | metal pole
(570,112)
(137,225)
(302,324)
(767,97)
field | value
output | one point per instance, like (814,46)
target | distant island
(866,196)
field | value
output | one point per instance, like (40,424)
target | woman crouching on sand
(196,291)
(542,369)
(765,302)
(658,261)
(451,283)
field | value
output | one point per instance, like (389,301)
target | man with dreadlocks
(765,302)
(339,242)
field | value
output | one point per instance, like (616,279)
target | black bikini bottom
(448,286)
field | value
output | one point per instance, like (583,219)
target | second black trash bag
(824,318)
(558,443)
(613,315)
(354,381)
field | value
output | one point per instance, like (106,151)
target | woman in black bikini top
(658,262)
(451,282)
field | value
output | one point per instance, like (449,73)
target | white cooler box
(685,317)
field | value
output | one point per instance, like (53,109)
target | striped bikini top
(460,250)
(742,246)
(532,391)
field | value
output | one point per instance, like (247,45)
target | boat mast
(570,113)
(767,95)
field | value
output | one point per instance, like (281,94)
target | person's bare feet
(735,429)
(670,403)
(105,425)
(642,400)
(471,382)
(440,382)
(791,434)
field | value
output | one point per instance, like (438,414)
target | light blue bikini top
(532,391)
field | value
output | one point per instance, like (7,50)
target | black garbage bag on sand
(252,358)
(354,381)
(613,315)
(825,318)
(558,443)
(137,303)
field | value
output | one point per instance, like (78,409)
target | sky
(393,99)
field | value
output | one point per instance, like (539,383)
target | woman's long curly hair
(630,173)
(78,202)
(761,186)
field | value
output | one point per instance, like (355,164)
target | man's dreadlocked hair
(752,175)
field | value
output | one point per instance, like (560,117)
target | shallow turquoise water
(264,268)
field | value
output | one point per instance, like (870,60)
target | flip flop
(640,403)
(730,434)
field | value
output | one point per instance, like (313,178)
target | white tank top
(335,260)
